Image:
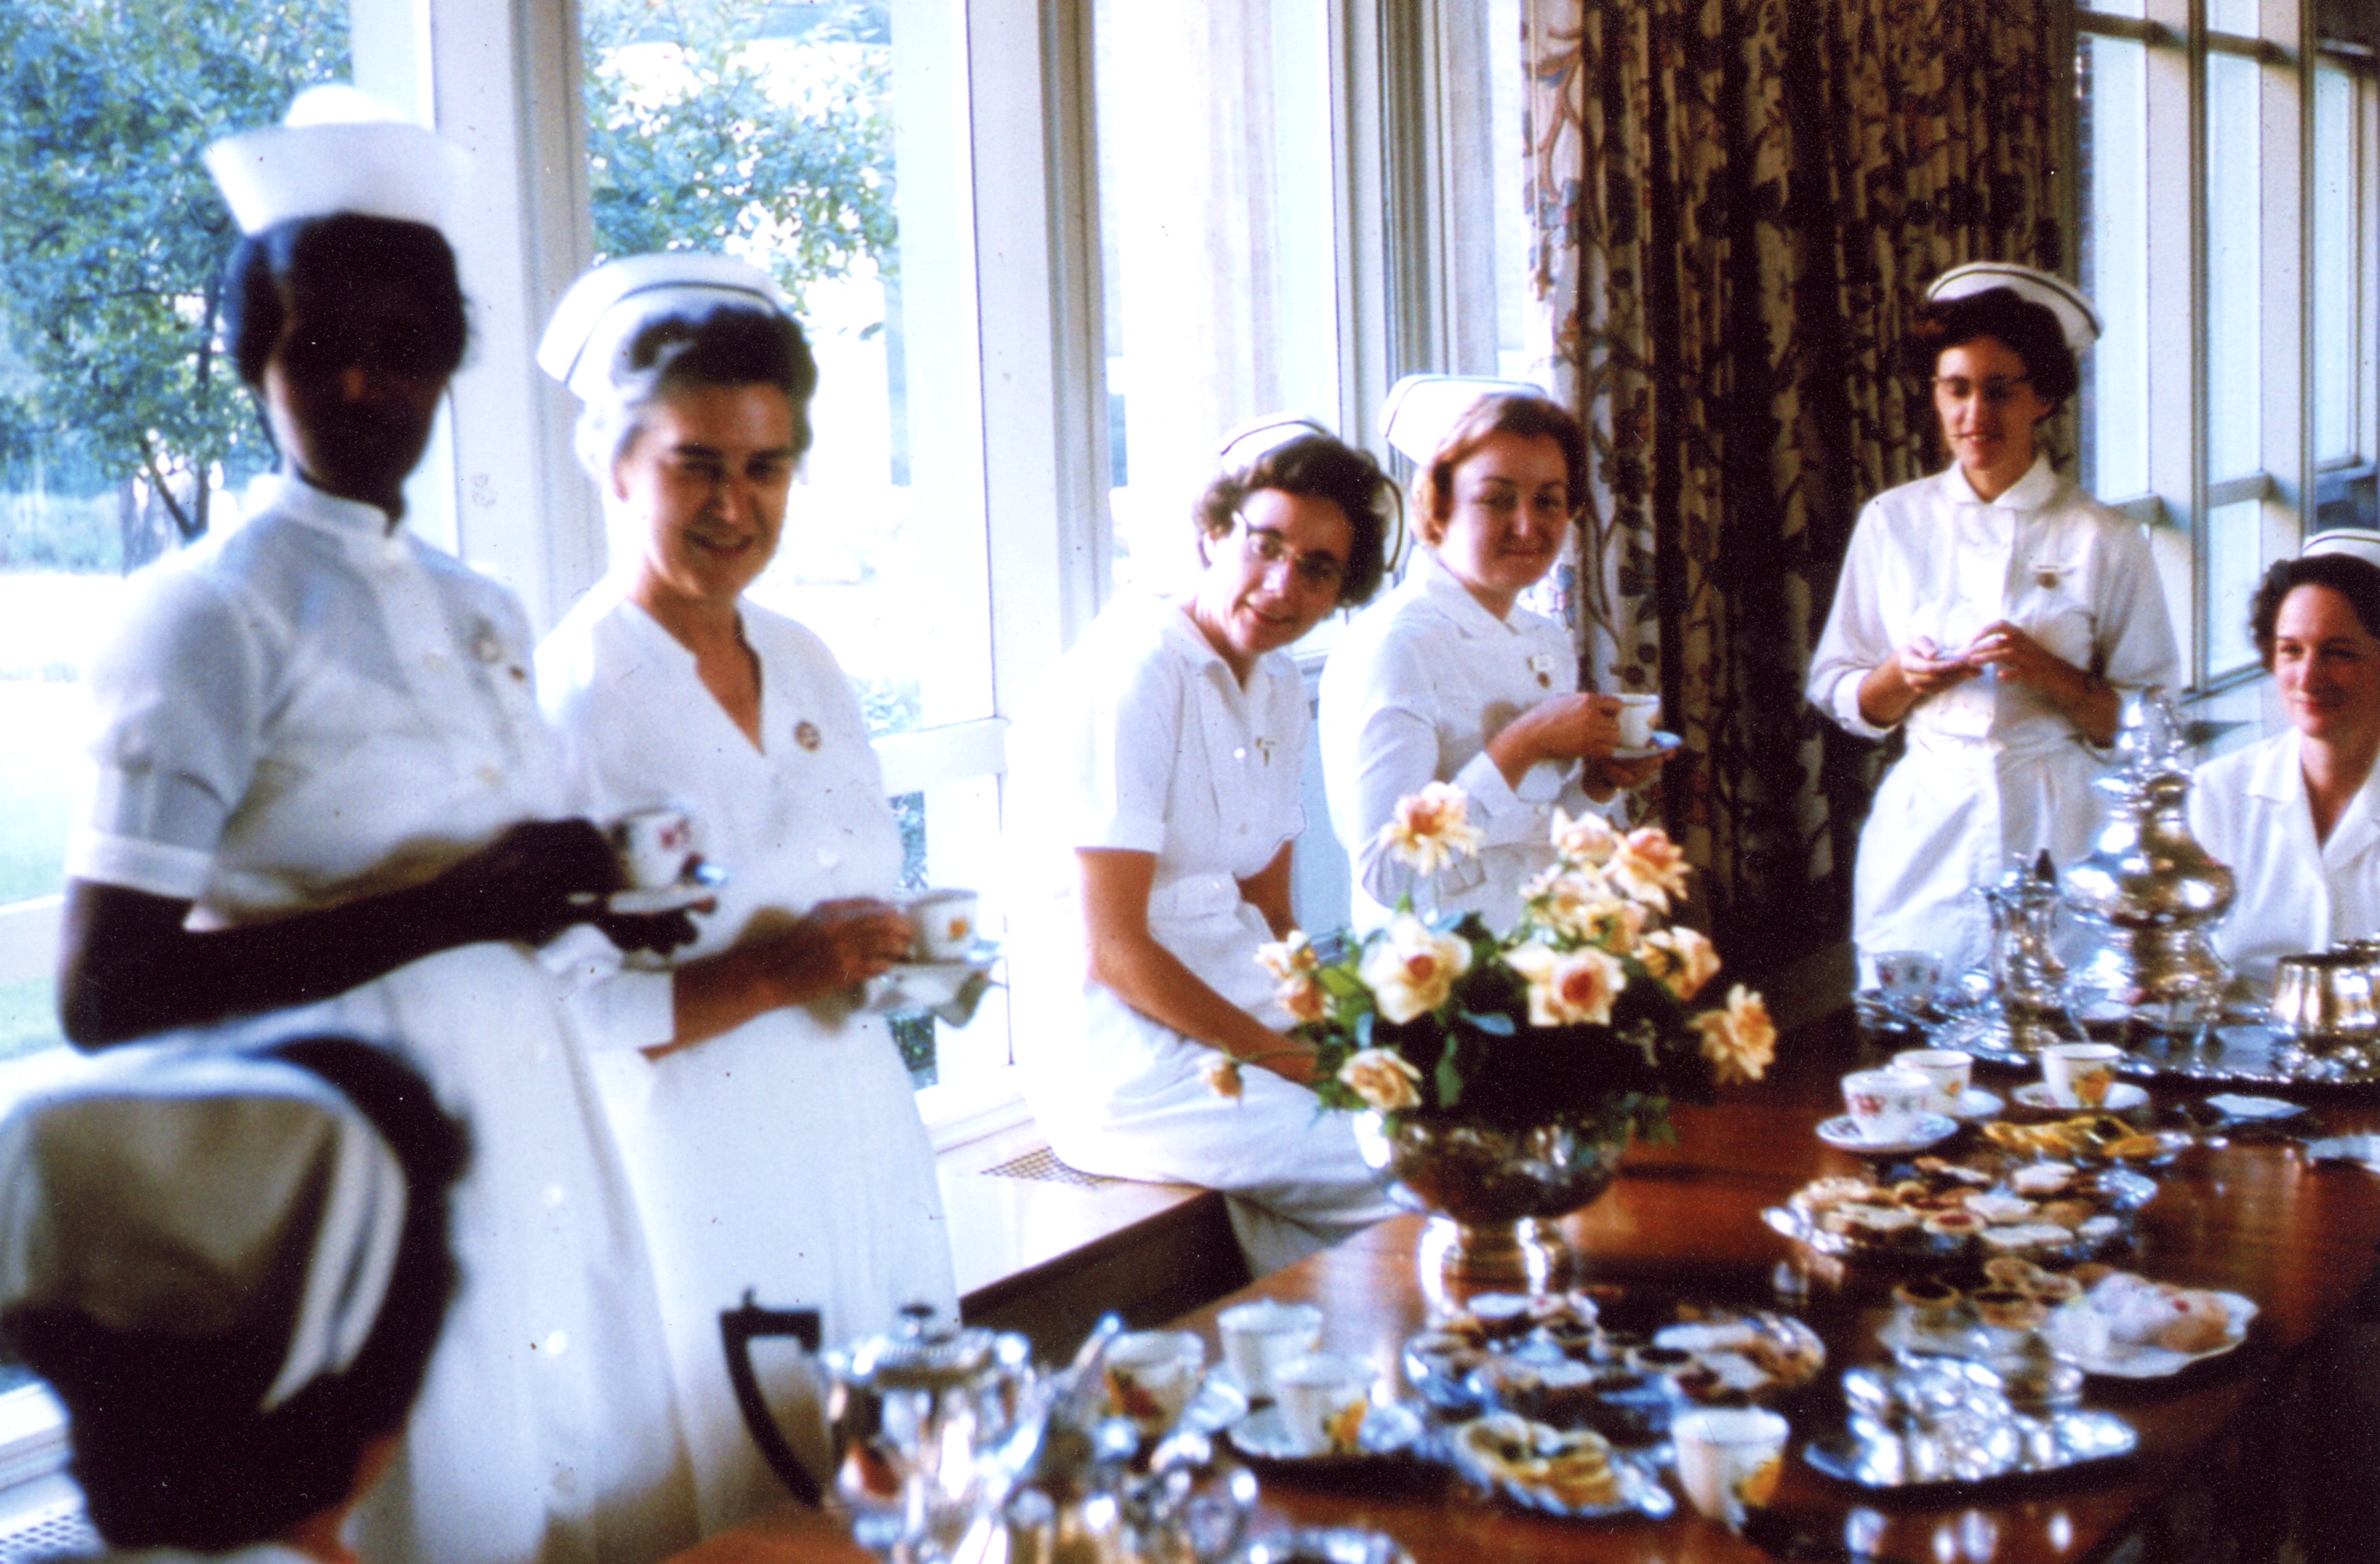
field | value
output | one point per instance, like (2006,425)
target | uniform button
(556,1342)
(828,857)
(491,776)
(1239,753)
(435,661)
(1244,828)
(555,1197)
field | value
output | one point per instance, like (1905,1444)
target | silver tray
(2237,1053)
(1867,1454)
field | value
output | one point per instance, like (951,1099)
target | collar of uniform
(2275,775)
(2027,494)
(1179,631)
(364,529)
(1443,590)
(651,637)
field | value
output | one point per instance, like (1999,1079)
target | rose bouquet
(1582,1013)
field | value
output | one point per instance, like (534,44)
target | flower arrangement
(1580,1014)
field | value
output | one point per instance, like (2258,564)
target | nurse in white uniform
(772,1133)
(1449,679)
(322,782)
(257,1273)
(1995,612)
(1155,786)
(2298,816)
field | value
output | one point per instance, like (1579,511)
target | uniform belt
(1934,742)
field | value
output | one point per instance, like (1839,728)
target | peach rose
(1305,999)
(1739,1040)
(1412,970)
(1683,959)
(1567,988)
(1431,829)
(1221,1074)
(1383,1079)
(1649,867)
(1286,958)
(1579,904)
(1588,839)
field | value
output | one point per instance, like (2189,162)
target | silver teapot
(2149,887)
(925,1421)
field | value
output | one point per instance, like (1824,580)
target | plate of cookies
(1935,1210)
(2126,1327)
(1572,1472)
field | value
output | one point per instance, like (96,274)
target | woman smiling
(2298,817)
(1156,787)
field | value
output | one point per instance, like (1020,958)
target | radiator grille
(47,1533)
(1039,1167)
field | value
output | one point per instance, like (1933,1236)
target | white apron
(307,708)
(1993,774)
(786,1156)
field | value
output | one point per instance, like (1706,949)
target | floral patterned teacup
(1885,1104)
(2080,1075)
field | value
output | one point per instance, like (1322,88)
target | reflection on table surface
(2235,1216)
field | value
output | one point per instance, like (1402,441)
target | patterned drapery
(1736,202)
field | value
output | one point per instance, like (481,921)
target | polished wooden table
(2255,1219)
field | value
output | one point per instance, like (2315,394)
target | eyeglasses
(1995,392)
(1264,548)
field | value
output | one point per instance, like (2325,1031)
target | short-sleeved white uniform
(786,1155)
(309,709)
(1412,692)
(1993,774)
(1144,740)
(2289,893)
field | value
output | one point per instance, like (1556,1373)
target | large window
(2229,235)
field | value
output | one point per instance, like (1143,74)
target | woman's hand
(1601,779)
(2091,704)
(529,884)
(1566,728)
(1892,687)
(837,945)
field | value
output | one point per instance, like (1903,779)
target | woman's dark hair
(1516,413)
(724,344)
(319,268)
(1319,468)
(2356,580)
(168,1444)
(2028,330)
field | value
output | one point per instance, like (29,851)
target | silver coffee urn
(2149,889)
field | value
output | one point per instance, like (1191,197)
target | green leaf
(1447,1076)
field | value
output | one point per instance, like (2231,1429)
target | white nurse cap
(1252,442)
(1423,409)
(177,1194)
(337,149)
(586,344)
(2076,318)
(2357,543)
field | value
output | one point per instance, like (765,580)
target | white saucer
(1390,1429)
(701,884)
(2122,1097)
(1663,742)
(925,985)
(1976,1103)
(1842,1132)
(2253,1109)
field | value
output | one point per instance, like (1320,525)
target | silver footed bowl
(1479,1176)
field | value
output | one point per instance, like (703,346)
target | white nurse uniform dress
(786,1156)
(1993,774)
(1145,741)
(311,708)
(1412,692)
(2289,893)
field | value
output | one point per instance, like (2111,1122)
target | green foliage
(113,236)
(709,129)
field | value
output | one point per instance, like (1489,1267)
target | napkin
(2362,1150)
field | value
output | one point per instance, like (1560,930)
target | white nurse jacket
(2289,893)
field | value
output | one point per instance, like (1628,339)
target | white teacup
(1151,1374)
(1323,1399)
(653,846)
(1885,1104)
(1907,978)
(1948,1070)
(945,922)
(1639,716)
(1260,1336)
(1730,1459)
(2080,1075)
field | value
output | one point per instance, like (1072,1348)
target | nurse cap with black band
(586,343)
(198,1195)
(2077,320)
(2355,543)
(337,149)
